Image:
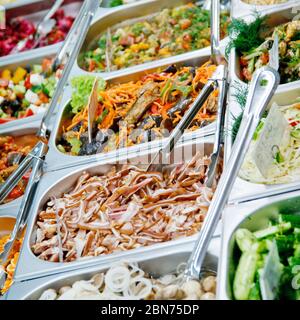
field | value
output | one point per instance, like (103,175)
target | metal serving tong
(164,152)
(223,85)
(218,81)
(43,28)
(34,159)
(260,94)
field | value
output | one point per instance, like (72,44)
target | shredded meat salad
(123,210)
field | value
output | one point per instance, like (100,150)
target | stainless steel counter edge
(23,289)
(232,217)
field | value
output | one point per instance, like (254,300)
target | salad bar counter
(150,150)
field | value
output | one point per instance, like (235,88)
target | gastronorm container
(110,17)
(26,128)
(27,60)
(240,8)
(156,263)
(57,160)
(7,221)
(253,215)
(277,16)
(55,183)
(244,190)
(11,211)
(35,11)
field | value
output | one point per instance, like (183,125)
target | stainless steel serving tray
(35,11)
(109,17)
(253,215)
(244,190)
(12,65)
(10,211)
(240,8)
(157,263)
(6,216)
(278,15)
(58,160)
(54,184)
(26,128)
(7,221)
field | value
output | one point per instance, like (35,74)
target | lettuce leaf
(81,89)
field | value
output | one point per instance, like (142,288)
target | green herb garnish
(245,36)
(115,3)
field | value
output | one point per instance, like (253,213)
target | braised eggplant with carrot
(134,112)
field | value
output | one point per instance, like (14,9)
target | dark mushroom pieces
(180,107)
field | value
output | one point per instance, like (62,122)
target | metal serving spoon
(258,98)
(43,28)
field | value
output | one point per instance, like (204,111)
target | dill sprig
(240,93)
(245,36)
(236,126)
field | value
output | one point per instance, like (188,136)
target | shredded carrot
(118,99)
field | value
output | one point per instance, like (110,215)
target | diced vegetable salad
(26,91)
(169,32)
(253,41)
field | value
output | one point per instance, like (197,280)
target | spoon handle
(258,98)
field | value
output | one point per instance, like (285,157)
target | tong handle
(215,48)
(70,36)
(220,121)
(221,108)
(52,10)
(256,104)
(215,28)
(27,199)
(188,117)
(164,152)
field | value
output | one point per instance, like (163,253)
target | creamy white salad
(286,164)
